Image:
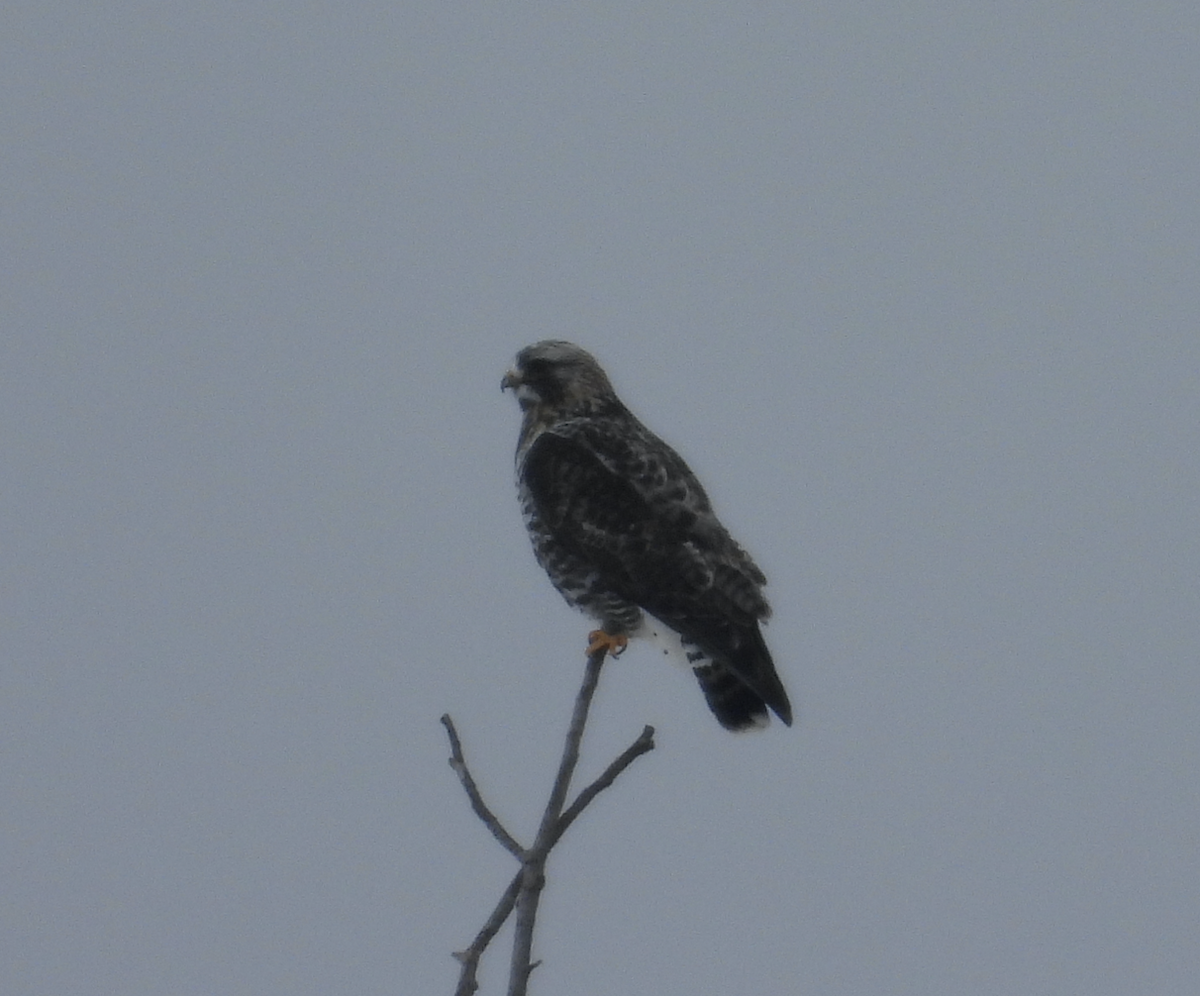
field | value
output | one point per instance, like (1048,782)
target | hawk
(627,534)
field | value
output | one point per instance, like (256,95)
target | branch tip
(459,764)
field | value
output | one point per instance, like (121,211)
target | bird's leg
(612,643)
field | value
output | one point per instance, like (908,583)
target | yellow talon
(613,644)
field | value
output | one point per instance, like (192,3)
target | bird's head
(558,378)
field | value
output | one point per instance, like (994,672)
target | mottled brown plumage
(626,533)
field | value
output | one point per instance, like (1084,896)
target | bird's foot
(613,644)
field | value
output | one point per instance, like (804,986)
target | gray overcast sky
(914,288)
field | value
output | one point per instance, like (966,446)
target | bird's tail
(740,691)
(730,699)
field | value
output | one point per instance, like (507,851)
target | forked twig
(525,889)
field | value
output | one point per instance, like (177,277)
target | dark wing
(625,503)
(592,510)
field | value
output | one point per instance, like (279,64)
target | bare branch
(524,891)
(642,745)
(533,876)
(459,764)
(469,959)
(570,758)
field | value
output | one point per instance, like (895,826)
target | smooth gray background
(914,288)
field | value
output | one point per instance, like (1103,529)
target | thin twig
(642,745)
(459,764)
(469,959)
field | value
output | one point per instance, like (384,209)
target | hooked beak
(511,379)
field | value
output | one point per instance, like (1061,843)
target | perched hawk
(626,533)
